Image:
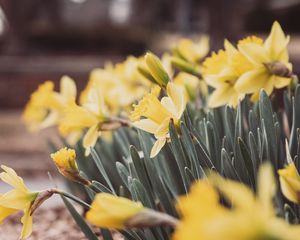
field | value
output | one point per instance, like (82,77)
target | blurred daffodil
(191,84)
(154,116)
(18,199)
(89,116)
(192,51)
(110,211)
(121,84)
(45,106)
(249,217)
(290,179)
(271,64)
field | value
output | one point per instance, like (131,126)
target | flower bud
(65,162)
(185,66)
(157,70)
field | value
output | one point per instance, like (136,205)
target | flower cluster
(254,65)
(214,171)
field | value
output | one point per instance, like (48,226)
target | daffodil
(18,199)
(89,116)
(249,216)
(46,106)
(290,180)
(192,51)
(154,116)
(271,67)
(110,211)
(121,84)
(221,71)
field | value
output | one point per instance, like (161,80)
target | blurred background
(45,39)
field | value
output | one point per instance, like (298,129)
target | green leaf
(85,228)
(100,167)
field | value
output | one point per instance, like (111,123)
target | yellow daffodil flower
(121,84)
(290,180)
(154,116)
(45,106)
(18,199)
(110,211)
(221,71)
(91,115)
(249,217)
(192,51)
(271,64)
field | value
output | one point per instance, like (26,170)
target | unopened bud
(65,162)
(157,70)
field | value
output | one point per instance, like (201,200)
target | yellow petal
(111,211)
(222,96)
(176,93)
(10,177)
(68,88)
(5,212)
(158,145)
(90,138)
(230,49)
(255,53)
(27,224)
(147,125)
(169,106)
(266,188)
(252,81)
(95,102)
(16,199)
(276,42)
(163,129)
(77,117)
(240,195)
(50,120)
(281,82)
(290,182)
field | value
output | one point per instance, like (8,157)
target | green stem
(72,197)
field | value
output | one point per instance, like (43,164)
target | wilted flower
(154,116)
(65,161)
